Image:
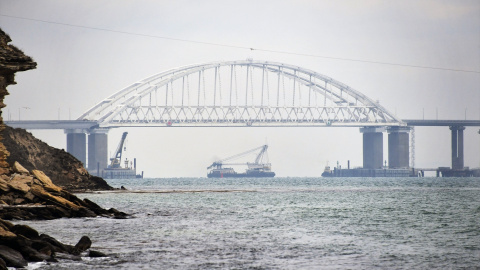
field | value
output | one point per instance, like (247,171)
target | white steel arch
(239,93)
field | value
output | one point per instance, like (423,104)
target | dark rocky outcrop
(64,169)
(20,244)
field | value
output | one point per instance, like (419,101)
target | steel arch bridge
(239,93)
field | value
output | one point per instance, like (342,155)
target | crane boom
(116,159)
(259,157)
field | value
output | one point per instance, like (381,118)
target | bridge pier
(98,150)
(372,147)
(76,144)
(457,147)
(398,147)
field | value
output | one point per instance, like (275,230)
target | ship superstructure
(115,170)
(259,168)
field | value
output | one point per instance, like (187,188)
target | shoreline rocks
(20,244)
(25,195)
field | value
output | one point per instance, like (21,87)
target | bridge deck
(440,123)
(85,124)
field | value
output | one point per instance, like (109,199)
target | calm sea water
(281,223)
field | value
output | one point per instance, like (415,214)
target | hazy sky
(78,67)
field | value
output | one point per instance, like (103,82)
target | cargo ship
(259,168)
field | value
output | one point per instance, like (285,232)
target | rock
(4,183)
(4,233)
(12,257)
(82,245)
(96,254)
(32,255)
(26,231)
(83,212)
(41,193)
(3,265)
(95,207)
(6,224)
(55,244)
(29,196)
(18,201)
(45,181)
(19,168)
(21,183)
(43,247)
(117,214)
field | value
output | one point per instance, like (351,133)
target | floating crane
(259,168)
(117,158)
(114,170)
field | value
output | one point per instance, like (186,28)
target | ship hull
(240,175)
(119,173)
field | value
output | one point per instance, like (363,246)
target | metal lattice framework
(239,93)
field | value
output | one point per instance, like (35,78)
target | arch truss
(239,93)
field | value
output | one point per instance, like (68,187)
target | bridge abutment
(457,147)
(98,150)
(76,144)
(398,147)
(372,147)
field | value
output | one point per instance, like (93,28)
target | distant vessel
(259,168)
(327,172)
(115,171)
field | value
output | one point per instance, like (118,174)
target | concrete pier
(76,144)
(398,147)
(98,149)
(372,147)
(457,147)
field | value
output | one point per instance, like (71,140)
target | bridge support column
(457,147)
(77,144)
(97,150)
(372,147)
(398,147)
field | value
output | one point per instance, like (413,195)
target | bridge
(244,94)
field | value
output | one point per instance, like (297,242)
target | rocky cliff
(64,169)
(30,193)
(11,60)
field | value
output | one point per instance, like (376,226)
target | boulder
(82,245)
(6,224)
(4,183)
(12,257)
(5,233)
(54,243)
(96,254)
(26,231)
(118,214)
(45,181)
(41,193)
(21,183)
(19,168)
(95,207)
(3,265)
